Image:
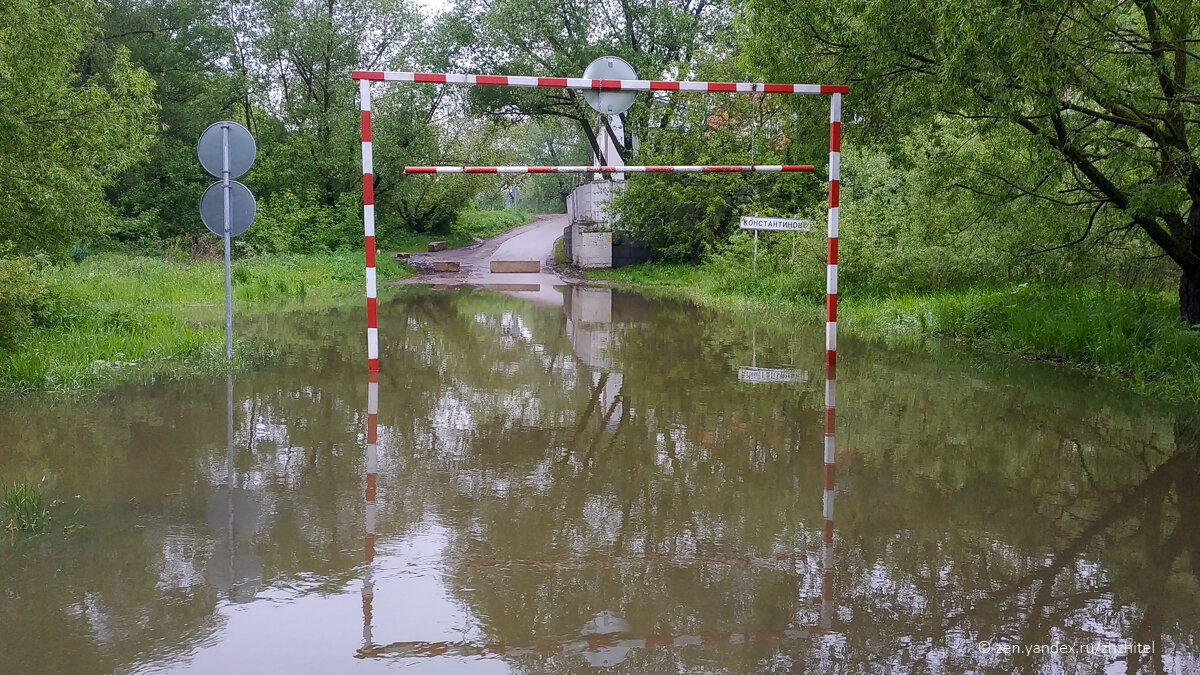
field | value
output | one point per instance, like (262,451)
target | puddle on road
(613,482)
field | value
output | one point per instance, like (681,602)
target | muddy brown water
(594,486)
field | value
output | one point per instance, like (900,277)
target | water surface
(602,482)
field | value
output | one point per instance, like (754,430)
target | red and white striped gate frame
(835,131)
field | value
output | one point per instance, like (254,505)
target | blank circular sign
(609,102)
(241,209)
(241,149)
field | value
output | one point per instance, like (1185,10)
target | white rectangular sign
(776,224)
(760,375)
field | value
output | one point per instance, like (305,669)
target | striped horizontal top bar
(758,168)
(602,85)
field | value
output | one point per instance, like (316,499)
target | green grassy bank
(113,317)
(471,225)
(1134,337)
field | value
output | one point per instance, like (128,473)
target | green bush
(289,223)
(25,299)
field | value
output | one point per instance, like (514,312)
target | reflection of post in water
(827,495)
(370,463)
(229,472)
(232,513)
(827,535)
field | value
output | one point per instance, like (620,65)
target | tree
(184,45)
(1108,89)
(525,37)
(689,217)
(64,136)
(303,55)
(547,141)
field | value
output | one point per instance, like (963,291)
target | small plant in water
(25,508)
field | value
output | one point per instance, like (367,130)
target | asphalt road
(534,241)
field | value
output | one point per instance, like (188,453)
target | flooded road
(614,483)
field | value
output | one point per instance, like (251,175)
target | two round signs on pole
(211,150)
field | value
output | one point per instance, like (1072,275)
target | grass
(470,226)
(115,317)
(560,253)
(25,508)
(1127,336)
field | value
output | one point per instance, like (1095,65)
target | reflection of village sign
(756,375)
(762,375)
(774,225)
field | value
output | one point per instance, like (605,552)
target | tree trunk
(1189,296)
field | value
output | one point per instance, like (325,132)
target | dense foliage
(64,134)
(984,145)
(1081,108)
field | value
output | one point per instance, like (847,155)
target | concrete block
(591,249)
(514,287)
(435,246)
(516,266)
(445,266)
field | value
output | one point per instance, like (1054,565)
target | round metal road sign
(241,149)
(242,209)
(609,102)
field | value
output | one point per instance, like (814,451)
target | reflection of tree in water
(687,505)
(678,521)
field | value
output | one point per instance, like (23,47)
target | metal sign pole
(756,251)
(226,151)
(226,188)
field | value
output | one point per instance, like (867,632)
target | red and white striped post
(835,175)
(364,95)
